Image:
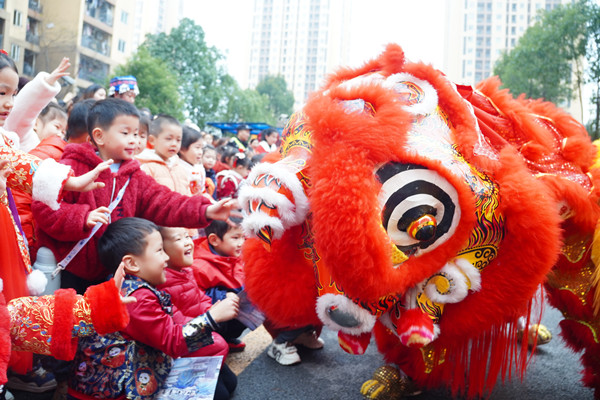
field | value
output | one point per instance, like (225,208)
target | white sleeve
(30,101)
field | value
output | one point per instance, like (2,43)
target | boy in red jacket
(219,270)
(113,128)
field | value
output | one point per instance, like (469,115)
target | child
(229,180)
(190,155)
(161,162)
(218,270)
(30,101)
(143,133)
(77,129)
(181,285)
(51,123)
(209,159)
(50,127)
(157,331)
(113,125)
(268,143)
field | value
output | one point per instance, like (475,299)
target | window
(29,63)
(15,52)
(121,46)
(17,18)
(124,16)
(92,70)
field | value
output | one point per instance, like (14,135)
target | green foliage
(546,62)
(593,69)
(158,85)
(249,106)
(203,83)
(281,100)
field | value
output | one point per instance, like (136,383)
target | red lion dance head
(425,212)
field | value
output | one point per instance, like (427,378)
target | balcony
(95,39)
(34,5)
(32,37)
(92,70)
(101,10)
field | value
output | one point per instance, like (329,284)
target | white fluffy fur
(430,99)
(471,272)
(289,215)
(367,321)
(252,223)
(457,271)
(36,282)
(48,181)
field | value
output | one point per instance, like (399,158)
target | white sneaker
(284,353)
(310,340)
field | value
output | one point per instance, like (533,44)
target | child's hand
(226,309)
(223,209)
(4,172)
(119,278)
(85,182)
(100,214)
(59,72)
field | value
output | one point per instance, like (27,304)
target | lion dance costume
(427,214)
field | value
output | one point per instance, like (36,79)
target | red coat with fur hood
(60,230)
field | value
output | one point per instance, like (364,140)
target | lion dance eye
(423,228)
(420,208)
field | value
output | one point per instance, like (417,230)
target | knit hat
(122,84)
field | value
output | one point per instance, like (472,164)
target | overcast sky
(415,25)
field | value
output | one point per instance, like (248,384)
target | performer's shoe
(310,340)
(284,353)
(543,334)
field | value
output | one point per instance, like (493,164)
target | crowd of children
(111,190)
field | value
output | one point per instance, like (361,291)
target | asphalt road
(330,373)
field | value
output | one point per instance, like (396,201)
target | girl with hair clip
(230,180)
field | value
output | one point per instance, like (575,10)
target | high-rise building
(301,40)
(478,31)
(96,35)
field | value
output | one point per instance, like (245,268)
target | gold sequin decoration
(431,359)
(575,247)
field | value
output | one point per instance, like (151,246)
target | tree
(281,100)
(158,85)
(203,83)
(250,106)
(547,61)
(593,71)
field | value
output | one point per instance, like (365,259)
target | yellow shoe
(388,384)
(540,331)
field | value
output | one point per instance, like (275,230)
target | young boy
(161,162)
(180,284)
(135,362)
(113,128)
(219,270)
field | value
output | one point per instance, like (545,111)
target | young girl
(229,180)
(209,159)
(190,155)
(268,143)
